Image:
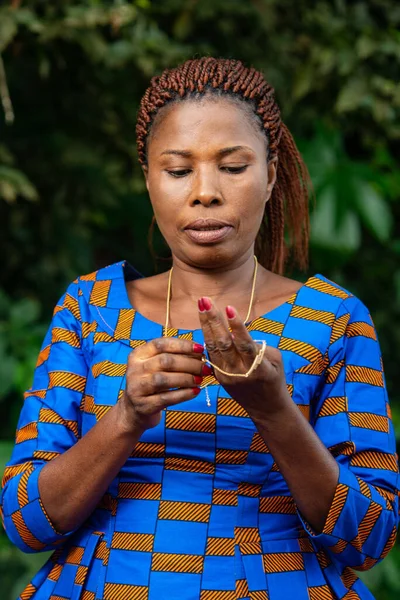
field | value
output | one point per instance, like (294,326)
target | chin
(210,257)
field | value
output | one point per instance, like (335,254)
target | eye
(234,170)
(178,172)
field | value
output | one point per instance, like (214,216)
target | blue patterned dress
(200,510)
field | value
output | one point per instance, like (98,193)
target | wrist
(127,419)
(280,412)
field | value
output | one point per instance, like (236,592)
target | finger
(242,339)
(175,363)
(172,397)
(171,345)
(217,336)
(156,383)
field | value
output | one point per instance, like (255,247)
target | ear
(272,171)
(145,170)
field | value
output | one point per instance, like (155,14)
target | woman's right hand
(161,373)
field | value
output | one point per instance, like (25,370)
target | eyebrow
(222,152)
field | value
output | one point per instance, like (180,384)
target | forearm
(72,484)
(308,468)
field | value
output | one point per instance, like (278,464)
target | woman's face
(208,181)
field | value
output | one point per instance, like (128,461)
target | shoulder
(110,273)
(113,289)
(329,314)
(104,281)
(327,295)
(317,292)
(103,288)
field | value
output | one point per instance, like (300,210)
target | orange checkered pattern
(200,509)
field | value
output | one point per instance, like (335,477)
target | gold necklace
(257,360)
(259,356)
(253,287)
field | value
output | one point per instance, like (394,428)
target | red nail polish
(206,303)
(200,304)
(198,348)
(230,312)
(196,391)
(197,379)
(206,370)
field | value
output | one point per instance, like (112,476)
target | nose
(206,187)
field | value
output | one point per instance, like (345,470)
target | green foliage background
(72,197)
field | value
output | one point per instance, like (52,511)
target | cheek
(166,185)
(163,197)
(167,189)
(251,200)
(166,198)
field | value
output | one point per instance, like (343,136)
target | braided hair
(284,231)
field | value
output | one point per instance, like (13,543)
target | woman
(154,476)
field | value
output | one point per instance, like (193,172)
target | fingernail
(201,305)
(198,348)
(197,379)
(196,391)
(206,303)
(206,370)
(230,312)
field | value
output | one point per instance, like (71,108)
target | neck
(228,282)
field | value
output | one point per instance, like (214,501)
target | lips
(207,231)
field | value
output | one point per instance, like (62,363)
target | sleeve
(48,425)
(352,418)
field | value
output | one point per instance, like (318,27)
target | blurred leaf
(8,29)
(21,335)
(374,211)
(7,191)
(353,95)
(344,237)
(24,313)
(304,82)
(366,46)
(14,183)
(345,196)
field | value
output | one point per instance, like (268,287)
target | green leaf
(374,211)
(8,28)
(8,191)
(28,18)
(352,95)
(366,46)
(13,183)
(344,236)
(304,81)
(24,313)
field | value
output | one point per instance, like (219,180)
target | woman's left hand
(263,393)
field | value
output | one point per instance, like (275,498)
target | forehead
(208,123)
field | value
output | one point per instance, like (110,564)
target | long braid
(287,209)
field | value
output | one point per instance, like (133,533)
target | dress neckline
(127,267)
